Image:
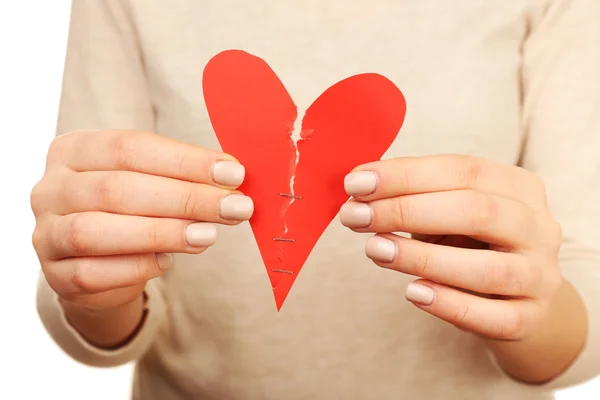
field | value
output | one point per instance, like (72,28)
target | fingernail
(201,234)
(420,294)
(355,215)
(360,183)
(381,249)
(228,173)
(165,260)
(236,207)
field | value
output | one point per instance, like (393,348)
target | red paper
(351,123)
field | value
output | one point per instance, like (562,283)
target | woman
(499,147)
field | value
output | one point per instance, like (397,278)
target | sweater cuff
(73,344)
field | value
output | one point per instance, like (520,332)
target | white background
(32,47)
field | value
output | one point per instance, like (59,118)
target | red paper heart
(351,123)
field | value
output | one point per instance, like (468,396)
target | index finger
(145,152)
(416,175)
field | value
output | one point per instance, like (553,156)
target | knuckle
(461,313)
(549,232)
(190,204)
(499,277)
(480,210)
(407,180)
(530,276)
(468,170)
(38,238)
(557,231)
(421,264)
(401,212)
(180,164)
(38,197)
(139,269)
(152,234)
(54,279)
(69,296)
(555,234)
(77,235)
(82,277)
(62,286)
(106,191)
(123,150)
(59,146)
(536,183)
(554,281)
(56,235)
(510,327)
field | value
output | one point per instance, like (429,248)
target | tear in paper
(295,137)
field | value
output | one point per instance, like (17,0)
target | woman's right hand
(112,205)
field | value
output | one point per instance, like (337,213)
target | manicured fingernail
(355,215)
(228,173)
(420,294)
(165,260)
(236,207)
(360,183)
(381,249)
(201,234)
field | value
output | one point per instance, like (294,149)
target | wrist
(106,328)
(557,343)
(92,311)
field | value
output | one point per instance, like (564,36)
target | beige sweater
(517,81)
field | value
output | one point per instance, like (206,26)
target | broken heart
(295,176)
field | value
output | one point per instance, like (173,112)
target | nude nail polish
(165,260)
(355,215)
(360,183)
(201,234)
(228,173)
(420,294)
(381,249)
(236,207)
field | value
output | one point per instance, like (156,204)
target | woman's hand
(112,204)
(483,240)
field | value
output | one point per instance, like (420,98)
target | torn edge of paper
(295,136)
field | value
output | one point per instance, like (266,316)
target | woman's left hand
(483,240)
